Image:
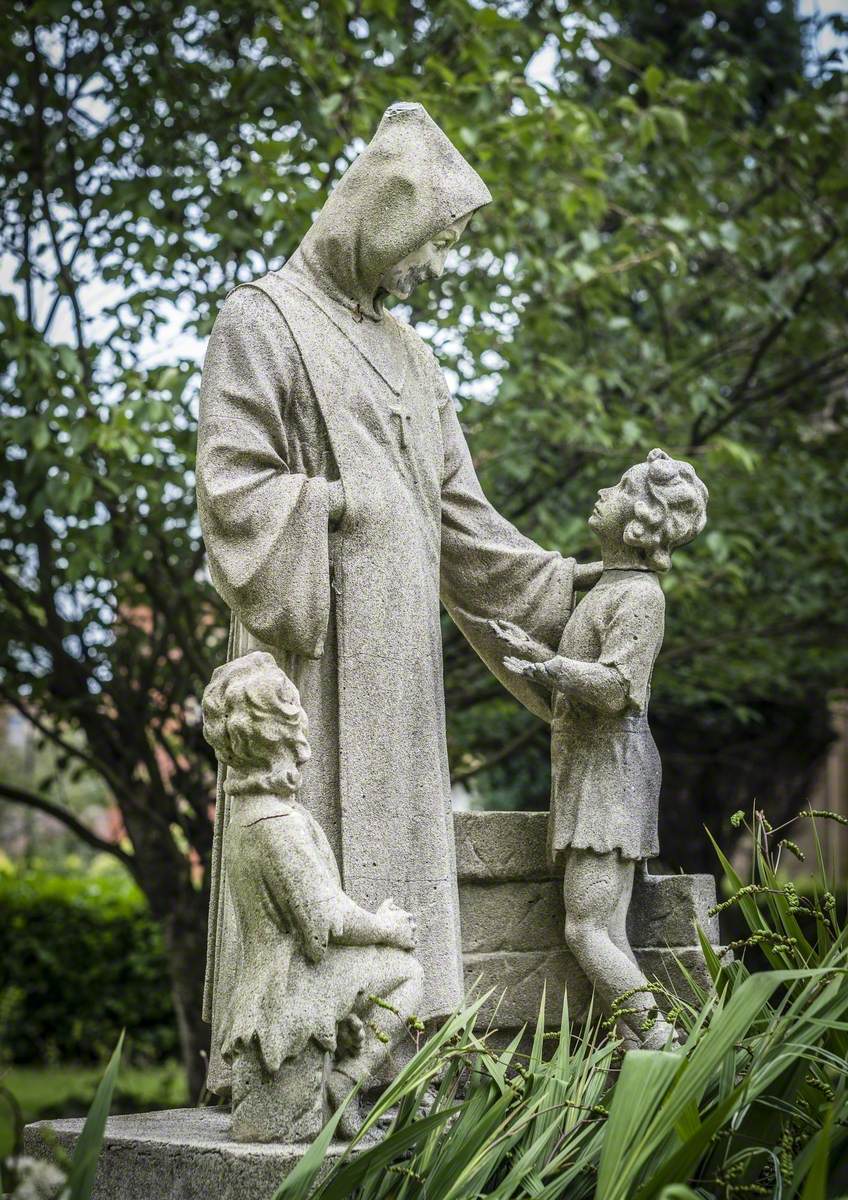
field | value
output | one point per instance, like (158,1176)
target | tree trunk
(184,929)
(164,874)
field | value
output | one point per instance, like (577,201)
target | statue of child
(606,771)
(318,975)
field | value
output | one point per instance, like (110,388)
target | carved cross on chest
(404,417)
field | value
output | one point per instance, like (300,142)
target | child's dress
(605,767)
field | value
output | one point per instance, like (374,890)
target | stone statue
(605,767)
(339,503)
(320,976)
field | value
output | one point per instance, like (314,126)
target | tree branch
(505,751)
(17,795)
(739,397)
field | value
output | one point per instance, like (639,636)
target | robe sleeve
(265,527)
(490,570)
(631,637)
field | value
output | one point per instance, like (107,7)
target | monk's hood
(409,183)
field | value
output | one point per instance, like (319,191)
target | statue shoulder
(246,308)
(254,318)
(636,592)
(424,354)
(260,297)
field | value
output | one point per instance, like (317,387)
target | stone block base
(178,1154)
(513,923)
(520,977)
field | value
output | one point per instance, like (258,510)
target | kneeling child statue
(325,988)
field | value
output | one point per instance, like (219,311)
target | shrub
(81,960)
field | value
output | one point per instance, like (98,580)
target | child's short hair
(250,709)
(673,512)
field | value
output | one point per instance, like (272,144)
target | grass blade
(87,1150)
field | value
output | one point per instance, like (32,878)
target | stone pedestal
(180,1154)
(512,939)
(513,921)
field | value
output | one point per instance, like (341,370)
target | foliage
(21,1176)
(82,959)
(755,1103)
(664,263)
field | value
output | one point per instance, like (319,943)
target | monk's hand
(335,492)
(512,636)
(397,925)
(586,575)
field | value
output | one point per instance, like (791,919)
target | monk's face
(427,262)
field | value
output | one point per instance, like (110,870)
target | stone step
(177,1154)
(510,895)
(518,979)
(530,916)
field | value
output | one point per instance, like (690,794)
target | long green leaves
(753,1102)
(87,1149)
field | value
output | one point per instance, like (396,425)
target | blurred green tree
(665,262)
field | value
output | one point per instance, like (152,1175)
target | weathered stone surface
(529,915)
(518,978)
(606,772)
(514,915)
(179,1154)
(670,966)
(508,848)
(339,504)
(498,846)
(318,973)
(666,908)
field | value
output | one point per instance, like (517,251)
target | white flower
(37,1180)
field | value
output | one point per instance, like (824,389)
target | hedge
(80,960)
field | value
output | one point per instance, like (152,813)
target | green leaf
(816,1183)
(652,79)
(645,1078)
(87,1149)
(330,104)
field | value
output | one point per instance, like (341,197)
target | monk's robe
(308,380)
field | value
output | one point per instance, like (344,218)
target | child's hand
(521,666)
(398,926)
(512,635)
(586,575)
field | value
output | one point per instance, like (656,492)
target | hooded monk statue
(339,505)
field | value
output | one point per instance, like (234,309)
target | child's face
(615,506)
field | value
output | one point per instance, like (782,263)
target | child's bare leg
(592,890)
(397,981)
(618,924)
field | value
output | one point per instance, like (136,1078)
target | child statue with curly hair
(324,988)
(605,767)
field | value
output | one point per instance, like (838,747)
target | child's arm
(630,637)
(592,683)
(586,575)
(388,926)
(318,911)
